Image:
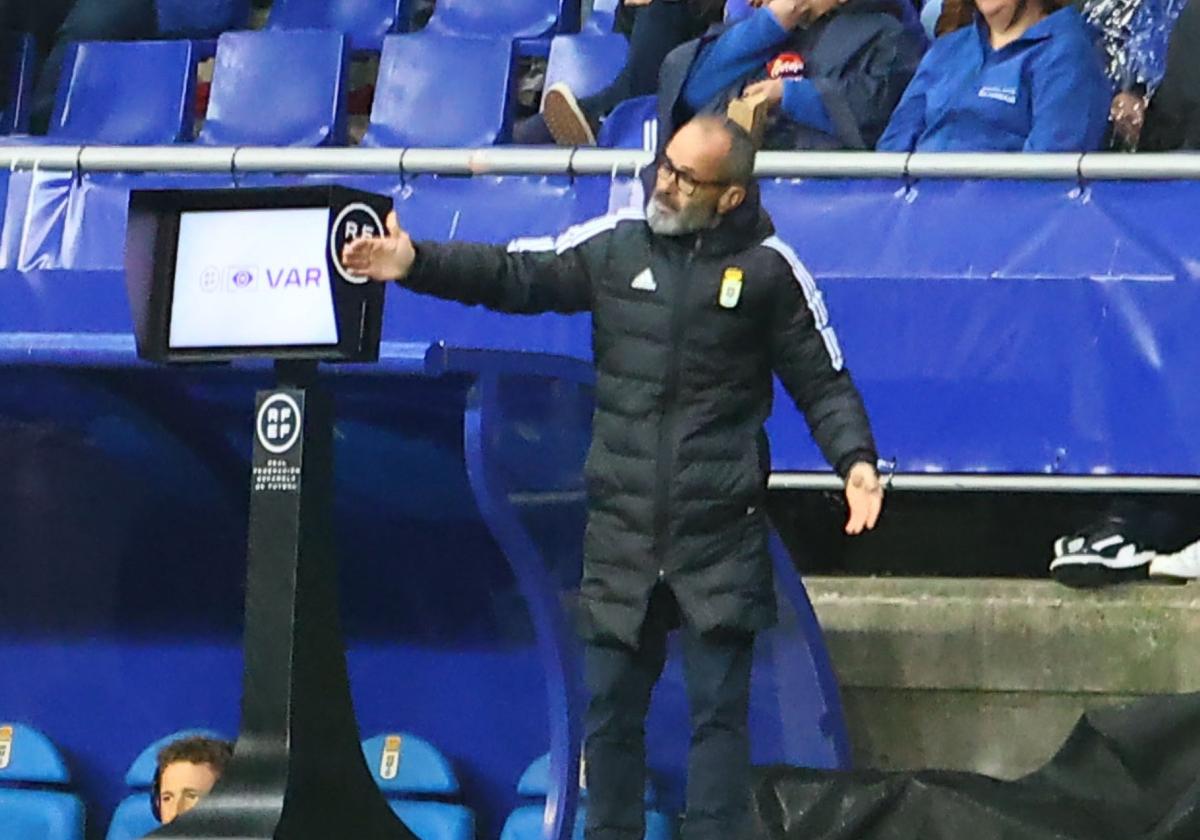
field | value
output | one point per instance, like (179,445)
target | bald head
(721,144)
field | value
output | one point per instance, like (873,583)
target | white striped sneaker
(1099,556)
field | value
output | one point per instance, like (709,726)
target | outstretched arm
(507,280)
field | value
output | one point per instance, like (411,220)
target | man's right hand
(381,258)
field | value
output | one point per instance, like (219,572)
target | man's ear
(731,199)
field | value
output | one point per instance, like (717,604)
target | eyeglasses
(686,183)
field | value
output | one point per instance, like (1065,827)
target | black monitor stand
(298,772)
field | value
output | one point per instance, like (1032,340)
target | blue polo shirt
(1044,92)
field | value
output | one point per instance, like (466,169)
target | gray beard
(666,222)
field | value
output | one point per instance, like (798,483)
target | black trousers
(655,30)
(619,680)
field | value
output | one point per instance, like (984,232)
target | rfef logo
(278,423)
(354,221)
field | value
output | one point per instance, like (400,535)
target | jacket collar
(1049,26)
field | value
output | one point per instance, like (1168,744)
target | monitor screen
(252,278)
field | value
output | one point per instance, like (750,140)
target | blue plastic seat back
(366,22)
(28,759)
(632,125)
(586,63)
(435,90)
(535,781)
(403,765)
(135,92)
(498,18)
(278,89)
(19,52)
(40,815)
(435,820)
(602,18)
(133,817)
(201,18)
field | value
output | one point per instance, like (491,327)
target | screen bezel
(358,307)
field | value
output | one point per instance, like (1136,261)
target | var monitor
(217,275)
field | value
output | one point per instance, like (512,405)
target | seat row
(289,88)
(419,784)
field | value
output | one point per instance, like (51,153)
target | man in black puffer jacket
(694,303)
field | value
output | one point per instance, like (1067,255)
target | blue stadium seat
(410,771)
(602,18)
(20,57)
(30,806)
(436,90)
(509,19)
(632,125)
(135,92)
(133,818)
(201,18)
(278,89)
(525,822)
(366,22)
(587,63)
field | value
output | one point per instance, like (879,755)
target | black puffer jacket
(677,470)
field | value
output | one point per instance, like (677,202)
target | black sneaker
(1100,555)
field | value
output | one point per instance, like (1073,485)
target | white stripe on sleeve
(812,295)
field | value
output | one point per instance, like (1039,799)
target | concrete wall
(990,675)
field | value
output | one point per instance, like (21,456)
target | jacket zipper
(666,432)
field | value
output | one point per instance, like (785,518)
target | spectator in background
(654,28)
(187,771)
(1021,77)
(57,23)
(1134,34)
(831,70)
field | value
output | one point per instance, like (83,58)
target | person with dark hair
(1024,76)
(694,303)
(188,769)
(829,71)
(654,28)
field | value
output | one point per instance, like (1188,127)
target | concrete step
(990,674)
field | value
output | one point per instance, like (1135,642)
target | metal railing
(515,160)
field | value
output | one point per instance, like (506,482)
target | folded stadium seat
(201,18)
(632,125)
(278,89)
(20,59)
(437,90)
(133,817)
(525,822)
(511,19)
(125,92)
(366,22)
(601,19)
(32,804)
(586,63)
(419,784)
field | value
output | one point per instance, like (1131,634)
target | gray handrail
(517,160)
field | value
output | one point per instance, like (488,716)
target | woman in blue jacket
(1024,77)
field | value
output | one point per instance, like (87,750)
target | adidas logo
(644,282)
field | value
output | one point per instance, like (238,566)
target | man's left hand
(771,88)
(864,495)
